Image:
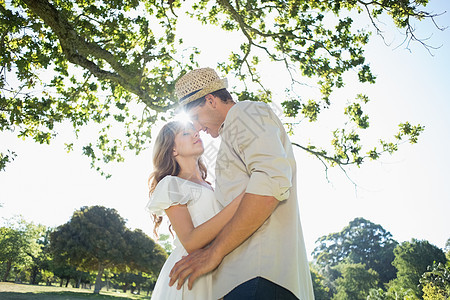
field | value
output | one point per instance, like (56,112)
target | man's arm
(251,214)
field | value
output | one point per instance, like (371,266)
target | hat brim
(212,87)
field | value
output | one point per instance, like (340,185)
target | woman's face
(188,143)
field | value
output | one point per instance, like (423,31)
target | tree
(143,254)
(132,281)
(321,291)
(392,294)
(360,242)
(96,239)
(164,241)
(42,259)
(330,274)
(19,243)
(68,272)
(355,282)
(436,281)
(411,261)
(12,244)
(92,240)
(103,57)
(432,292)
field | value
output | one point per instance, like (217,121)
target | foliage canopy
(361,242)
(20,244)
(355,282)
(82,61)
(412,260)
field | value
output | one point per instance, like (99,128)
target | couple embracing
(243,239)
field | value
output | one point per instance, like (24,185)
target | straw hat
(198,83)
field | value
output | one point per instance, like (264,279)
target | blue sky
(407,193)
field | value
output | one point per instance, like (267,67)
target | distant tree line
(94,246)
(364,262)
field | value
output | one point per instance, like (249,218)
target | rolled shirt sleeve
(269,168)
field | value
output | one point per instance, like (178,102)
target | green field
(13,291)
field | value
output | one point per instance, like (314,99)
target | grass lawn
(13,291)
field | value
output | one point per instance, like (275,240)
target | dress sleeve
(168,192)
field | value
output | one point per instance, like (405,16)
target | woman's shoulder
(179,187)
(173,184)
(171,179)
(166,183)
(166,193)
(166,179)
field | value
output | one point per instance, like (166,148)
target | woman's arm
(194,238)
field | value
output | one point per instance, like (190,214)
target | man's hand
(194,265)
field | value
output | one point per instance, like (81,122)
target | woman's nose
(196,133)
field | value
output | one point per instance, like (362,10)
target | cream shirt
(256,155)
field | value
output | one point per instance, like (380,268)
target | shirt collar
(228,117)
(221,128)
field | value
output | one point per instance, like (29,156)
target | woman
(179,190)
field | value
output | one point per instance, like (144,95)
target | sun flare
(182,117)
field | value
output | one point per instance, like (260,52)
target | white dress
(201,203)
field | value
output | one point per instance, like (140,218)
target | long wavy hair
(164,162)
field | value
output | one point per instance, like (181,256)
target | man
(260,253)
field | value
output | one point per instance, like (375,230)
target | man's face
(206,118)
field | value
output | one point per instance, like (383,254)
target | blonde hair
(164,162)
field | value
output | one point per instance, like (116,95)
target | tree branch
(76,49)
(408,12)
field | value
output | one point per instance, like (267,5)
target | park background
(407,193)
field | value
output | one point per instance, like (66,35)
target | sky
(407,193)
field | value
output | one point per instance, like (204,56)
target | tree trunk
(34,273)
(106,282)
(8,269)
(17,279)
(98,279)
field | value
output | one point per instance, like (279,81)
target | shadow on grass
(56,295)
